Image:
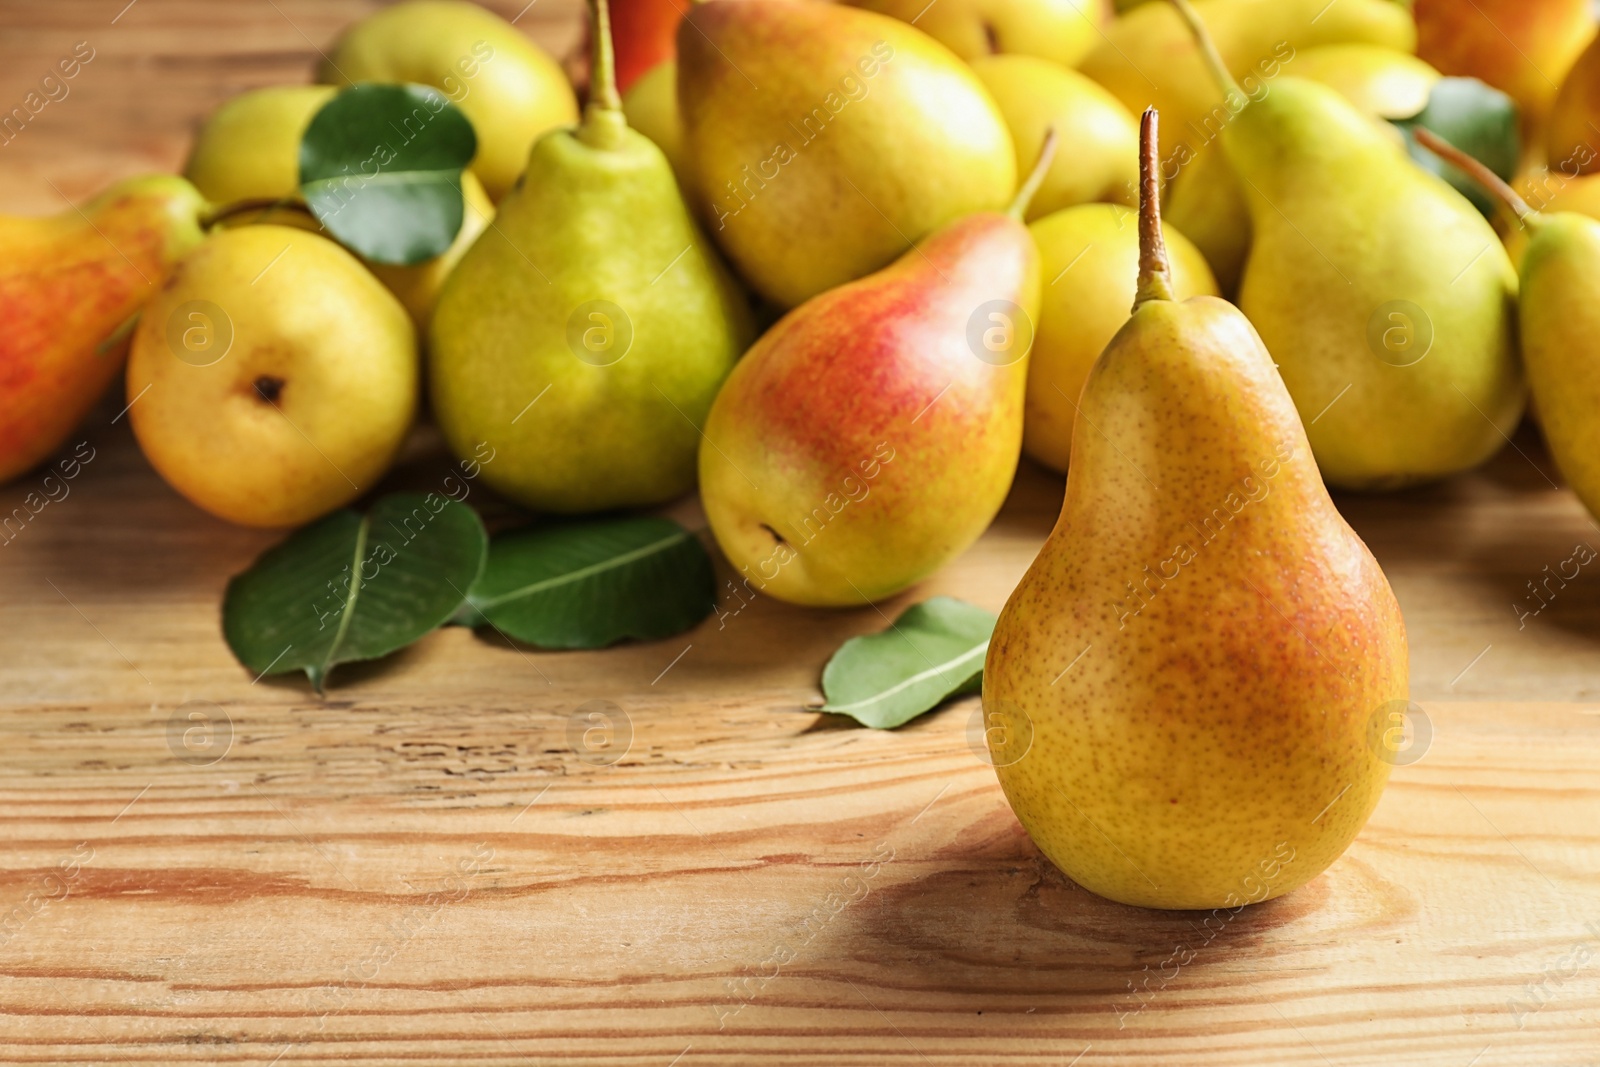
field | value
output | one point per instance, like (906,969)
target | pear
(248,153)
(1189,691)
(1385,296)
(1061,31)
(1099,155)
(651,107)
(272,380)
(1206,201)
(1558,324)
(871,435)
(1147,57)
(825,139)
(584,337)
(1552,191)
(1089,260)
(510,90)
(68,284)
(1571,144)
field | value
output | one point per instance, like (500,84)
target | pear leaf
(380,168)
(354,587)
(591,584)
(934,650)
(1476,118)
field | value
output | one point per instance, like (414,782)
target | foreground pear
(68,283)
(1089,263)
(1558,323)
(825,139)
(1386,298)
(1192,693)
(1149,58)
(511,91)
(583,337)
(872,434)
(249,151)
(273,379)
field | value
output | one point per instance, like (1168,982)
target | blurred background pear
(1089,266)
(651,107)
(1062,31)
(1098,154)
(511,90)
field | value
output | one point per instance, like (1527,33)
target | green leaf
(590,584)
(1476,118)
(932,651)
(354,587)
(380,167)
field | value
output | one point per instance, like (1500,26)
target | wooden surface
(435,865)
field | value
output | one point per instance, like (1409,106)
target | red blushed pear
(872,434)
(67,283)
(1193,695)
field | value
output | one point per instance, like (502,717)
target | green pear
(1089,260)
(1558,323)
(1386,298)
(651,107)
(511,91)
(584,336)
(1206,201)
(249,150)
(1061,31)
(273,379)
(1147,57)
(69,283)
(1190,697)
(825,139)
(1099,141)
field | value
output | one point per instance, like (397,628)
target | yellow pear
(1062,31)
(273,378)
(1553,191)
(512,91)
(1191,696)
(1089,264)
(1098,158)
(250,150)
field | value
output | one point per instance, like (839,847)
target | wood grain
(436,864)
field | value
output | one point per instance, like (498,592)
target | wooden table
(424,867)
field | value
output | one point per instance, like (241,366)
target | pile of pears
(840,266)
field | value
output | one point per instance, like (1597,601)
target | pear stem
(602,64)
(1478,172)
(1041,167)
(1155,272)
(214,215)
(1208,49)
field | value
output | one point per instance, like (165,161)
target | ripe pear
(68,284)
(511,91)
(871,435)
(1062,31)
(651,106)
(584,337)
(825,139)
(1558,324)
(249,150)
(1183,690)
(1550,192)
(1571,144)
(1149,58)
(1206,201)
(272,380)
(1089,261)
(1098,159)
(1386,298)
